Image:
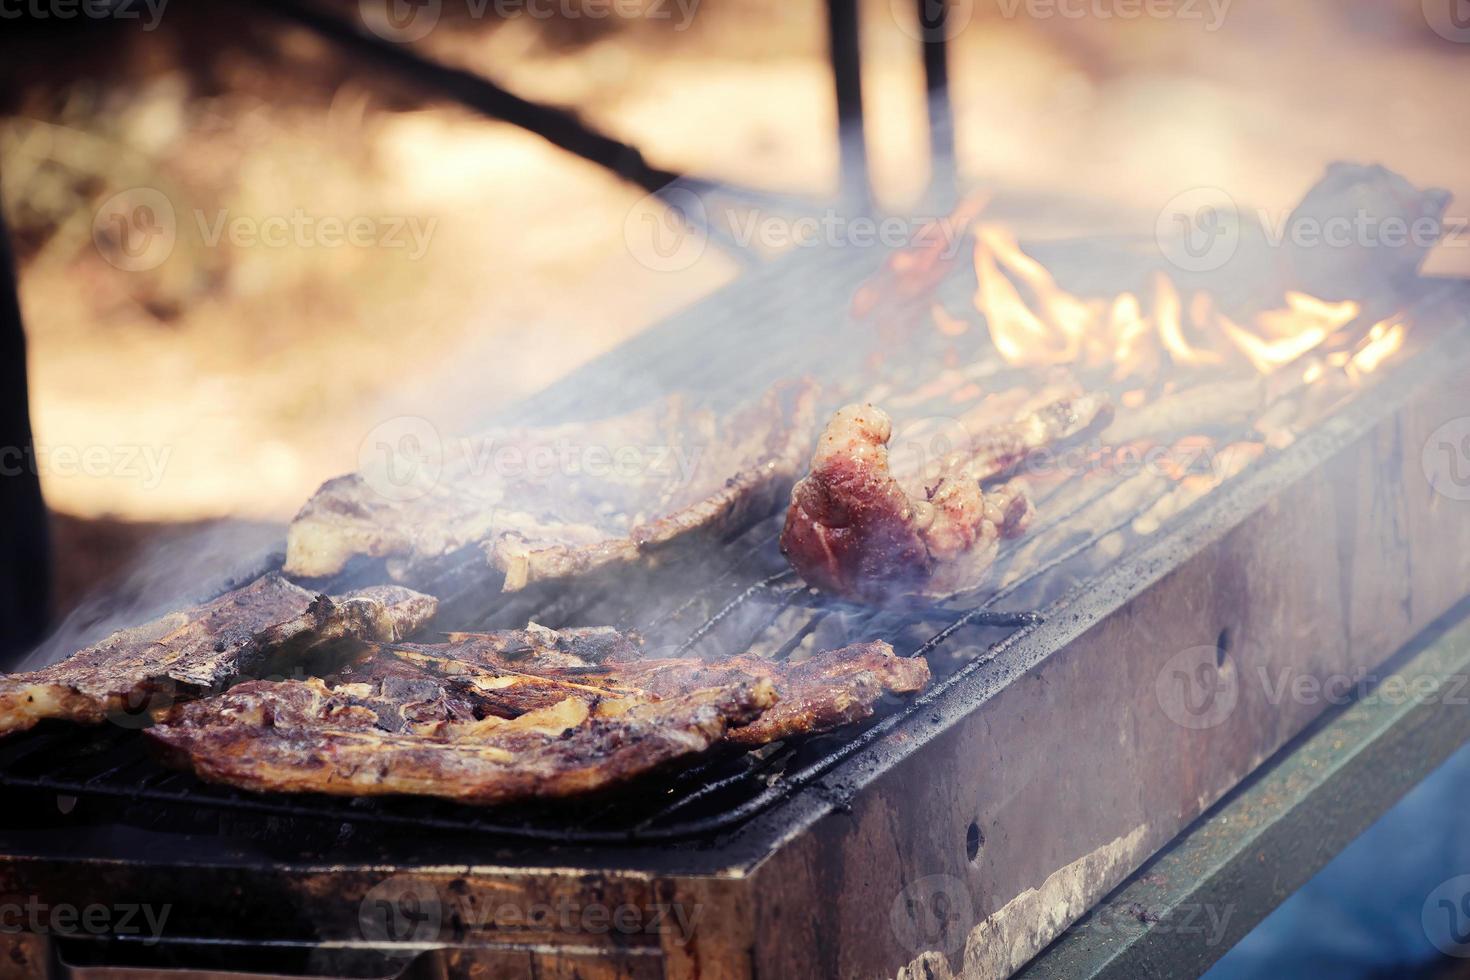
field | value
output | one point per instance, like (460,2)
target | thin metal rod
(729,609)
(845,51)
(558,126)
(934,27)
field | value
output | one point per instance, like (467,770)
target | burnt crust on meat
(268,625)
(307,736)
(584,646)
(830,689)
(854,529)
(674,474)
(497,717)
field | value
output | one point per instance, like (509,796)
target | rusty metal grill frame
(124,771)
(702,785)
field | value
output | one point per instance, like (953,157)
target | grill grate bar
(21,748)
(806,629)
(139,760)
(709,625)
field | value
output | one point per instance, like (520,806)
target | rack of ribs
(269,625)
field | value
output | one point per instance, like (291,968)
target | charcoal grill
(1005,786)
(961,831)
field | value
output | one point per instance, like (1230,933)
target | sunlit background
(244,373)
(223,380)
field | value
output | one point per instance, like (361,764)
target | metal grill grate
(746,599)
(744,606)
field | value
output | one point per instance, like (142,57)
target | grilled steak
(489,718)
(556,502)
(267,626)
(854,529)
(830,689)
(542,648)
(378,738)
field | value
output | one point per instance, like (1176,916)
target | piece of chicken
(854,531)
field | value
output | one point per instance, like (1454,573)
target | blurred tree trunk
(25,567)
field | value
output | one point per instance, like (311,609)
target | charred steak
(269,625)
(395,736)
(490,718)
(557,502)
(829,689)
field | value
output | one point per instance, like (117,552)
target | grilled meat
(1054,419)
(511,672)
(854,529)
(1359,196)
(829,689)
(542,648)
(373,739)
(557,502)
(267,626)
(489,718)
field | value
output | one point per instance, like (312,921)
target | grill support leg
(25,566)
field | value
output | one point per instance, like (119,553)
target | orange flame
(1384,340)
(947,323)
(1020,335)
(1171,330)
(1035,322)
